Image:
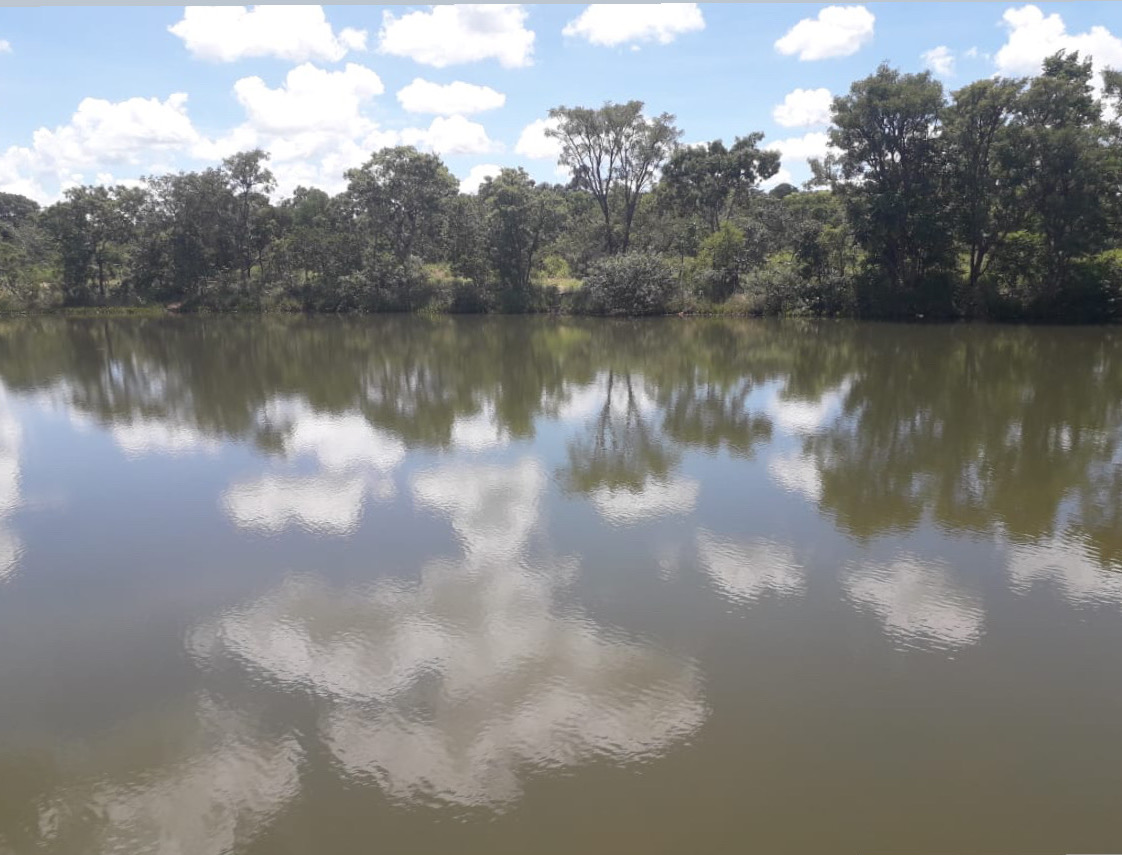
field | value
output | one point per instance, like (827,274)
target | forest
(1001,200)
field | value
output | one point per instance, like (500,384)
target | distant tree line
(1003,200)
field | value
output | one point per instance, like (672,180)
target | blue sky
(109,94)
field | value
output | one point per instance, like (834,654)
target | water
(536,585)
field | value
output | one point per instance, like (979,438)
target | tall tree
(710,180)
(1066,170)
(521,219)
(614,149)
(400,197)
(887,129)
(981,153)
(250,182)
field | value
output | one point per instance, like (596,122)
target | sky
(107,95)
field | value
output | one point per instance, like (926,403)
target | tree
(250,182)
(887,129)
(1065,170)
(709,180)
(92,228)
(614,148)
(521,218)
(399,196)
(981,154)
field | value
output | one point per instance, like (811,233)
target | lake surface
(517,585)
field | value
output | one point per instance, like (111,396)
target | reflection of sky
(801,416)
(623,506)
(354,460)
(154,436)
(225,784)
(456,687)
(1066,564)
(743,572)
(918,603)
(479,432)
(11,547)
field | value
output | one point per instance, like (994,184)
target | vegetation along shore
(1000,200)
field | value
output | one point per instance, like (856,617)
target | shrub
(638,283)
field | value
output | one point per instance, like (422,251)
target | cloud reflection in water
(455,688)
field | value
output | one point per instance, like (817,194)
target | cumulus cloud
(1032,36)
(451,135)
(310,100)
(804,108)
(422,96)
(837,31)
(314,124)
(918,603)
(477,432)
(534,144)
(611,24)
(452,35)
(5,46)
(794,152)
(940,60)
(294,33)
(101,134)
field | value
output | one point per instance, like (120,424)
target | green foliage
(709,180)
(721,258)
(614,153)
(638,283)
(1001,202)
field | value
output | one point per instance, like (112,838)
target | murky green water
(529,585)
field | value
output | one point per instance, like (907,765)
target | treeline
(1001,200)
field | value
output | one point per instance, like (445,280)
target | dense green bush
(637,283)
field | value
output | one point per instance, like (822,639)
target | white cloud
(837,31)
(795,151)
(476,432)
(99,135)
(451,35)
(5,46)
(918,604)
(294,33)
(612,24)
(423,96)
(314,125)
(451,135)
(1032,36)
(311,99)
(534,144)
(803,108)
(939,60)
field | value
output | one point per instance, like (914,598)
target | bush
(638,283)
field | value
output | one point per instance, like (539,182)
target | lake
(514,585)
